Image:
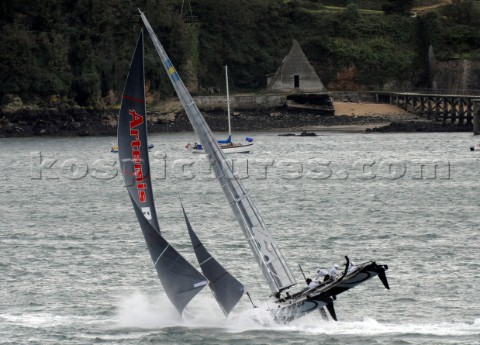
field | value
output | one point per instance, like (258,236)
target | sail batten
(180,280)
(274,267)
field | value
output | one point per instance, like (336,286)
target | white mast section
(228,103)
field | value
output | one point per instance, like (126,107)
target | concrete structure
(295,74)
(244,102)
(476,117)
(454,76)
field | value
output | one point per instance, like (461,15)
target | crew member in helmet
(311,284)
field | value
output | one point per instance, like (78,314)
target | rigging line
(178,193)
(250,298)
(190,5)
(156,261)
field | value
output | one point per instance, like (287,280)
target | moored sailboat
(227,145)
(273,265)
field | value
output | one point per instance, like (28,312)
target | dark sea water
(75,269)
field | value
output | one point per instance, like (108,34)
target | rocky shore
(56,122)
(420,126)
(83,122)
(76,121)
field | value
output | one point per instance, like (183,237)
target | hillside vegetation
(78,51)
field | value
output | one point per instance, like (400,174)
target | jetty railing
(456,109)
(436,105)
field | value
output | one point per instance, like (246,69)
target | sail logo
(171,70)
(147,212)
(136,143)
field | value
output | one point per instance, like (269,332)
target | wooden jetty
(453,109)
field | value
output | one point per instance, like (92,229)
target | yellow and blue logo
(171,70)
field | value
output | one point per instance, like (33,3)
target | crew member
(311,284)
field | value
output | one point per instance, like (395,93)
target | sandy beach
(371,109)
(378,115)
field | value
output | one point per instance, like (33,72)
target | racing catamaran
(273,265)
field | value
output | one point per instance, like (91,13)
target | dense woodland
(78,51)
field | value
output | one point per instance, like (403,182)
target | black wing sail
(180,280)
(226,289)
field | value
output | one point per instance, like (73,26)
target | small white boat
(226,145)
(114,147)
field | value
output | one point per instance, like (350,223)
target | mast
(264,248)
(180,280)
(228,104)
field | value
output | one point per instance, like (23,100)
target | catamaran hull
(298,309)
(234,149)
(317,298)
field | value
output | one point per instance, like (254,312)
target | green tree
(397,6)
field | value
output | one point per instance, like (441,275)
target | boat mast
(266,252)
(228,103)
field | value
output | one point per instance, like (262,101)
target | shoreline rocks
(420,126)
(76,121)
